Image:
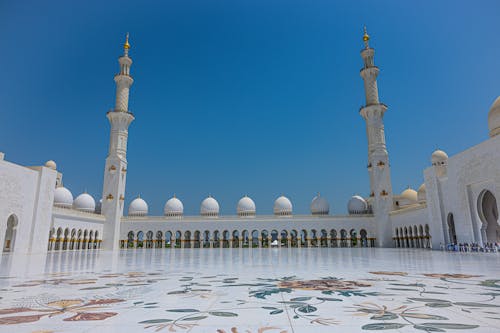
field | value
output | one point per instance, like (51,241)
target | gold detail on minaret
(366,37)
(126,46)
(122,197)
(109,197)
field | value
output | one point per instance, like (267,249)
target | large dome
(63,197)
(209,207)
(357,205)
(246,207)
(408,197)
(282,206)
(138,207)
(494,118)
(421,193)
(319,206)
(173,207)
(85,203)
(439,157)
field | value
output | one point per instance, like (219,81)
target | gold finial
(366,37)
(126,46)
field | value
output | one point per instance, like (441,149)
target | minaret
(378,157)
(115,171)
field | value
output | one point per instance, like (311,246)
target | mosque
(456,203)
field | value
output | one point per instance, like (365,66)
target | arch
(97,241)
(149,239)
(303,237)
(313,238)
(79,239)
(488,214)
(130,239)
(415,236)
(225,238)
(140,240)
(216,238)
(323,238)
(10,233)
(206,238)
(264,236)
(52,231)
(245,238)
(187,239)
(294,241)
(410,237)
(274,237)
(333,238)
(65,239)
(452,234)
(197,239)
(178,239)
(91,240)
(72,239)
(427,236)
(343,238)
(58,239)
(396,237)
(235,238)
(284,239)
(363,235)
(159,239)
(255,238)
(85,239)
(354,237)
(168,239)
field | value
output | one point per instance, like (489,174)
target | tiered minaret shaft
(378,157)
(115,171)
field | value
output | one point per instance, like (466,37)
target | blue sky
(244,97)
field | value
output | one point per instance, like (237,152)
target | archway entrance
(10,234)
(488,212)
(451,229)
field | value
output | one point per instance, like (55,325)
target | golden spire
(366,37)
(126,46)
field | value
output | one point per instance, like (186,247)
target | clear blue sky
(244,97)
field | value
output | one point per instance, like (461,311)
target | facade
(456,203)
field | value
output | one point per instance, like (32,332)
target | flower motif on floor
(451,276)
(323,285)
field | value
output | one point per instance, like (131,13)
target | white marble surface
(250,290)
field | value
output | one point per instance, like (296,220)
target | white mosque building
(456,203)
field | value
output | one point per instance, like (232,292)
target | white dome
(138,207)
(319,206)
(173,207)
(84,202)
(283,206)
(408,197)
(209,207)
(246,206)
(357,205)
(63,197)
(51,165)
(494,118)
(439,157)
(421,193)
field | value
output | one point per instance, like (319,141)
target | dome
(246,207)
(173,207)
(282,206)
(138,207)
(357,205)
(408,197)
(439,157)
(209,207)
(51,165)
(421,194)
(319,206)
(84,202)
(63,197)
(494,118)
(98,207)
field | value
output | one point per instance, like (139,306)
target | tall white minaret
(115,171)
(378,157)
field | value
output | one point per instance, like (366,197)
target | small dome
(319,206)
(173,207)
(357,205)
(439,157)
(246,207)
(421,194)
(51,165)
(63,197)
(494,118)
(209,207)
(408,197)
(283,206)
(138,207)
(84,202)
(98,207)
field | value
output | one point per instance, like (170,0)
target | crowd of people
(471,247)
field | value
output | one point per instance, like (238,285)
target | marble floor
(250,291)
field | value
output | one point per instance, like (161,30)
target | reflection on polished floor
(250,290)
